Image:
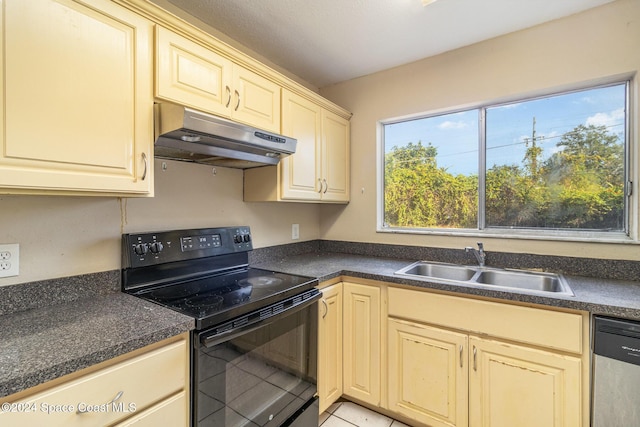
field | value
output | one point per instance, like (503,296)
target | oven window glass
(260,378)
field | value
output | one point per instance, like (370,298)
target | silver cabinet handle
(238,95)
(326,186)
(144,158)
(228,97)
(461,355)
(114,400)
(320,182)
(475,358)
(326,308)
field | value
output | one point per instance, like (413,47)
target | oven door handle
(214,339)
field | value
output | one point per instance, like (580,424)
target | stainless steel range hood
(190,135)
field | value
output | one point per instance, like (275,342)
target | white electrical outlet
(295,231)
(9,260)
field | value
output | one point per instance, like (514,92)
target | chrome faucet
(478,253)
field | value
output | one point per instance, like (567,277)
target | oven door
(263,374)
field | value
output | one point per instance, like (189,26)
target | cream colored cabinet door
(335,157)
(190,74)
(428,374)
(300,173)
(256,100)
(518,386)
(362,350)
(330,346)
(76,98)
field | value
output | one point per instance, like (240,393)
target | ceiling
(329,41)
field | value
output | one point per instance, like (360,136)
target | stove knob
(141,249)
(237,238)
(246,238)
(156,247)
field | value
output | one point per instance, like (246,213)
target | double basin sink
(488,278)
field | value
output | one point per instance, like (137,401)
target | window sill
(551,235)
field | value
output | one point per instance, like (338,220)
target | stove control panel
(194,243)
(146,249)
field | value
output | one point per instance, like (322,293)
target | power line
(513,144)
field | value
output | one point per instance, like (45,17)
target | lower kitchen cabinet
(519,366)
(433,379)
(512,385)
(362,342)
(428,373)
(330,346)
(148,387)
(441,360)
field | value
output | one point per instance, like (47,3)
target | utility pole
(534,151)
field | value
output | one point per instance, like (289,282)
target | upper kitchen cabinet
(76,98)
(319,170)
(335,158)
(190,74)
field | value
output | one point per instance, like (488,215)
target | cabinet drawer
(547,328)
(140,382)
(170,412)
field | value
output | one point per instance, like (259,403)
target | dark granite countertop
(619,298)
(45,343)
(60,326)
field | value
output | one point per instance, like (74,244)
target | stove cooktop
(215,299)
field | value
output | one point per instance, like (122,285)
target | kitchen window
(555,165)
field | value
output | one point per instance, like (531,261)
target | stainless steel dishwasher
(616,373)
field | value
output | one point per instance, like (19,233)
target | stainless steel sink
(490,278)
(440,271)
(539,282)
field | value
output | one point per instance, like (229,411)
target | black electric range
(254,348)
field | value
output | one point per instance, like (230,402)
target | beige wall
(596,44)
(65,236)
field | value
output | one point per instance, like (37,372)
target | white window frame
(632,147)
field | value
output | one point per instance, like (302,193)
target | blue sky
(456,135)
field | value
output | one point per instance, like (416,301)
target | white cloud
(614,117)
(452,125)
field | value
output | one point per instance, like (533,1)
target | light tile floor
(348,414)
